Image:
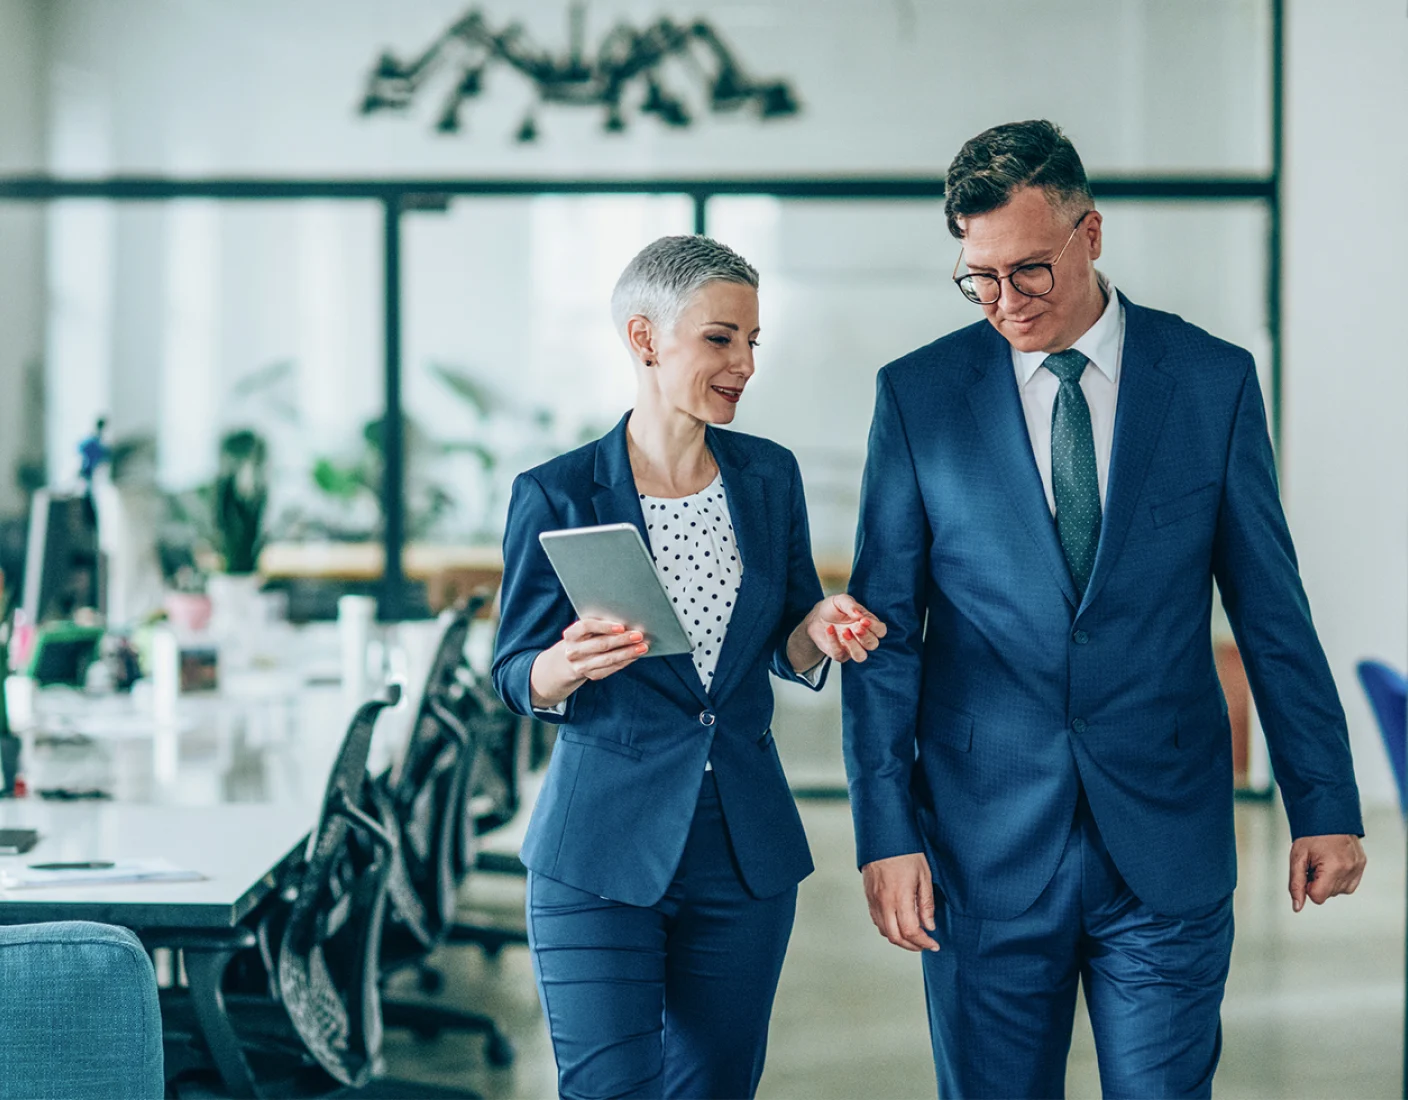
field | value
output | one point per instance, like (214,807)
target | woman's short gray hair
(667,273)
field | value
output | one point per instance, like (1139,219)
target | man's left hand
(1323,866)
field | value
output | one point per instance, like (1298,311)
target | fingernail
(849,636)
(641,648)
(637,637)
(865,624)
(618,629)
(831,630)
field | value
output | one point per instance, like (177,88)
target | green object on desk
(62,653)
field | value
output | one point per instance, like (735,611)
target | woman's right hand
(590,649)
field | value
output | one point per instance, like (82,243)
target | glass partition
(183,323)
(509,355)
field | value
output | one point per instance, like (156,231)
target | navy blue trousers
(1002,993)
(668,1000)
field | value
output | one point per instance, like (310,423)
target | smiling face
(699,367)
(1027,229)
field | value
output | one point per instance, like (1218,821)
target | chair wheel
(499,1051)
(430,981)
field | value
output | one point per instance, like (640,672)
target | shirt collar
(1100,343)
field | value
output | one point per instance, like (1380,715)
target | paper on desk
(122,870)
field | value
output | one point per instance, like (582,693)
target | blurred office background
(204,233)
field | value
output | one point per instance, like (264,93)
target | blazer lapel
(1144,395)
(616,500)
(997,406)
(749,505)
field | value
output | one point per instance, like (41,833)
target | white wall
(267,86)
(1345,443)
(21,232)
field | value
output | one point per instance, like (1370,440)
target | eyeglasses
(1029,280)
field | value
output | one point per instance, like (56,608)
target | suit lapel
(997,406)
(749,505)
(1144,395)
(616,500)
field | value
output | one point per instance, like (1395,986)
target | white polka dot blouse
(696,556)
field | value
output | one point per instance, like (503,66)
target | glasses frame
(1050,271)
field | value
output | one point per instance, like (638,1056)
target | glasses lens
(1034,280)
(982,289)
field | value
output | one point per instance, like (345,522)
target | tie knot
(1066,365)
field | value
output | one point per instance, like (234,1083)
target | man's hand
(901,896)
(1323,866)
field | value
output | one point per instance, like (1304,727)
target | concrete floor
(1314,1004)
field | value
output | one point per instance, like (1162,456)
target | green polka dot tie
(1074,482)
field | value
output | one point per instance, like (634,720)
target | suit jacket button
(706,717)
(1080,637)
(1078,724)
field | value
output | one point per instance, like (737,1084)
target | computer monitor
(63,568)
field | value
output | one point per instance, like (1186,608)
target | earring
(650,362)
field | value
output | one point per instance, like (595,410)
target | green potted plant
(239,497)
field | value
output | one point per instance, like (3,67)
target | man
(1048,498)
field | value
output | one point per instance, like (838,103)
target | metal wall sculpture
(627,58)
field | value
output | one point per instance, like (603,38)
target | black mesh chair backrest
(428,795)
(494,788)
(330,941)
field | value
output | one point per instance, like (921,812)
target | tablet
(608,574)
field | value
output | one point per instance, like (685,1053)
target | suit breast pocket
(1203,499)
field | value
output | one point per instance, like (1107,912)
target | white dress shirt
(1103,345)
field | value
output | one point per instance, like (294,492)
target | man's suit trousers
(1002,993)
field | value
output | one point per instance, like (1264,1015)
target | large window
(510,355)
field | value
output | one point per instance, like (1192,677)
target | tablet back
(608,574)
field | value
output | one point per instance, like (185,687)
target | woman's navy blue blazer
(620,792)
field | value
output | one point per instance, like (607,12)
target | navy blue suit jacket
(998,693)
(619,796)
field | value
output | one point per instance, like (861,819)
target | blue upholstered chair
(78,1014)
(1388,695)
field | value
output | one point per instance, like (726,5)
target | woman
(665,849)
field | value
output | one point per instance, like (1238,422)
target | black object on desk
(82,865)
(15,842)
(72,794)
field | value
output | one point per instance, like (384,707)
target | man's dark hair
(1000,161)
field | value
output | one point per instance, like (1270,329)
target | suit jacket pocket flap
(576,736)
(1167,511)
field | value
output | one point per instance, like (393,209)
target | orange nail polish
(641,648)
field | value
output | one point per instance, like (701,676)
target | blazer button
(706,717)
(1080,637)
(1078,724)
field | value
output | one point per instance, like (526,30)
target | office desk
(237,847)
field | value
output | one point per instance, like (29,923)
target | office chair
(79,1018)
(315,1025)
(428,795)
(1388,696)
(495,797)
